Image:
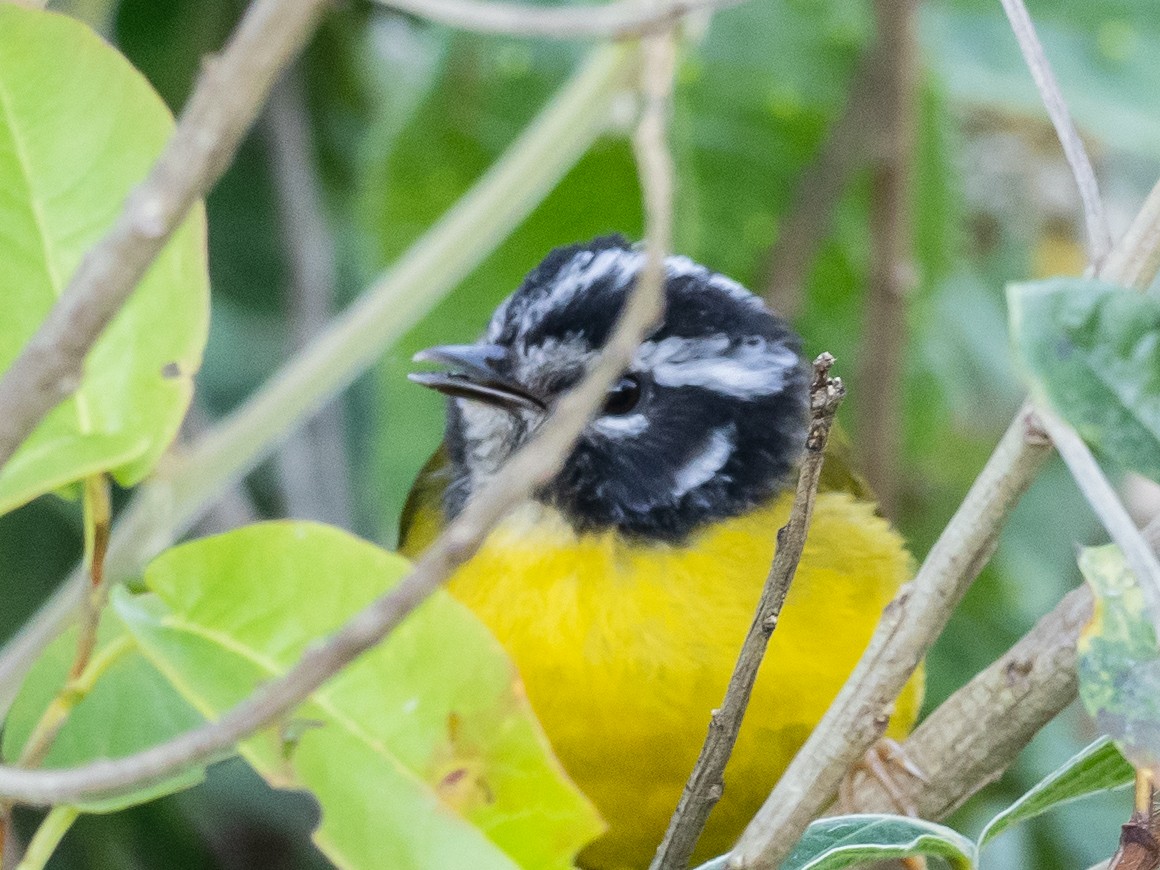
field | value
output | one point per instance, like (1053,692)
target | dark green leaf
(1093,351)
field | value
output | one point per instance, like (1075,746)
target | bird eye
(622,397)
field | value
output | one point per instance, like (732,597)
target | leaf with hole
(845,841)
(1098,767)
(1118,660)
(423,753)
(79,128)
(1092,350)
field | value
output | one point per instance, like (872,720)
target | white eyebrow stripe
(702,467)
(744,371)
(620,427)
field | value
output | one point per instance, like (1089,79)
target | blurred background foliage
(406,115)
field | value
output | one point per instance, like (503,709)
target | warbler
(622,591)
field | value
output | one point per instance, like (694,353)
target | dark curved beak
(472,373)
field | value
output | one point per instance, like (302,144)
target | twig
(191,480)
(807,221)
(85,668)
(1139,848)
(224,104)
(706,783)
(1099,237)
(978,731)
(47,837)
(1102,497)
(1136,259)
(909,626)
(313,463)
(529,468)
(617,20)
(892,270)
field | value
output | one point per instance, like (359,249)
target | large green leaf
(423,754)
(130,708)
(843,841)
(79,127)
(1093,351)
(1118,659)
(1098,767)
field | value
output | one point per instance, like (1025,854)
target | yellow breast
(626,647)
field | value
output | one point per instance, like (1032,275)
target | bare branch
(1099,236)
(622,19)
(706,783)
(806,223)
(909,626)
(1136,259)
(1100,494)
(194,477)
(892,270)
(979,730)
(313,463)
(529,468)
(229,93)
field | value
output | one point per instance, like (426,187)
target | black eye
(622,397)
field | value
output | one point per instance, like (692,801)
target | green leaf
(843,841)
(130,708)
(1098,767)
(79,127)
(1118,660)
(423,753)
(1093,351)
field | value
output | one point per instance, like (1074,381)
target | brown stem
(706,783)
(892,272)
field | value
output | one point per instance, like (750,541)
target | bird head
(708,420)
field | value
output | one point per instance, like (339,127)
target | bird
(623,588)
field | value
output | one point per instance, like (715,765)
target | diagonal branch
(706,783)
(228,96)
(1099,237)
(978,731)
(529,468)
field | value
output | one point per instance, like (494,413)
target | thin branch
(229,93)
(313,464)
(978,731)
(892,269)
(1099,236)
(909,626)
(623,19)
(1136,259)
(194,477)
(47,837)
(807,221)
(529,468)
(706,783)
(1102,497)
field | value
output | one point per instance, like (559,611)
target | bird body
(623,591)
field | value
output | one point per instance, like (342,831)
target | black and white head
(707,422)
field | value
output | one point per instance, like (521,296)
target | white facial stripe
(584,270)
(748,370)
(701,468)
(621,427)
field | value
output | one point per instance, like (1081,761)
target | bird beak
(472,374)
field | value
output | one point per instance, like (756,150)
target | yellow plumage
(625,647)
